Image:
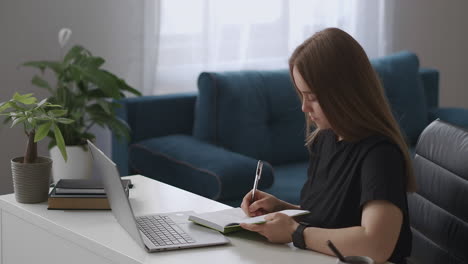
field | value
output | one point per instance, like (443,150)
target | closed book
(82,186)
(229,220)
(79,201)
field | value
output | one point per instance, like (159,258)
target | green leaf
(4,106)
(94,62)
(120,128)
(75,74)
(132,90)
(26,99)
(106,106)
(103,81)
(51,143)
(16,106)
(36,64)
(18,120)
(96,93)
(44,118)
(38,81)
(17,96)
(65,120)
(97,113)
(53,105)
(58,112)
(60,141)
(124,86)
(42,131)
(42,102)
(73,53)
(42,65)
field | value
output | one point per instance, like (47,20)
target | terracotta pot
(31,180)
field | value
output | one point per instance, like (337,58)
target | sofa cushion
(399,74)
(256,113)
(196,166)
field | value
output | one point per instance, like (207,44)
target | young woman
(360,169)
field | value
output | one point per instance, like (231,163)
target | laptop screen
(118,200)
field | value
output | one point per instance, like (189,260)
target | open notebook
(226,221)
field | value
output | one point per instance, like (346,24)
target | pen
(336,251)
(258,175)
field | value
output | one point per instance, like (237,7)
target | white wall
(437,31)
(112,29)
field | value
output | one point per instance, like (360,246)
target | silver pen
(258,175)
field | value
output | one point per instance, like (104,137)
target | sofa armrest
(152,116)
(453,115)
(196,166)
(430,80)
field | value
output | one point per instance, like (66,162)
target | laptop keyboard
(162,231)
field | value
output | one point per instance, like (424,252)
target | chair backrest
(439,209)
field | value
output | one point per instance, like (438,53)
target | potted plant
(31,174)
(88,92)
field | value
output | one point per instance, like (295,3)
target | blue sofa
(208,142)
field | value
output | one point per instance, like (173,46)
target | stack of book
(83,194)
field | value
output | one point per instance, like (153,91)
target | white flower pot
(78,166)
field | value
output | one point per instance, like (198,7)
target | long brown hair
(338,72)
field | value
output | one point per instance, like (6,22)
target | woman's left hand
(278,228)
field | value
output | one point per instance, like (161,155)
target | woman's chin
(321,126)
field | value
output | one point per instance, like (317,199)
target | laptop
(159,232)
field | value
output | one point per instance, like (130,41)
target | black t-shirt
(343,176)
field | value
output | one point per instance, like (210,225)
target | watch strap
(298,236)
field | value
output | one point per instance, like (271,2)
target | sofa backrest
(258,113)
(399,74)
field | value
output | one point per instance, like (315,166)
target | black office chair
(439,209)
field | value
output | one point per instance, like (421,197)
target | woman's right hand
(264,204)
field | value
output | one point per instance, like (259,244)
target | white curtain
(186,37)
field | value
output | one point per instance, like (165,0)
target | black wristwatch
(298,236)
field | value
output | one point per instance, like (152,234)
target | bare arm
(381,222)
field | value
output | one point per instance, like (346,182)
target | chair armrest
(453,115)
(196,166)
(152,116)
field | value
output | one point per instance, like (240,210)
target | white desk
(32,234)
